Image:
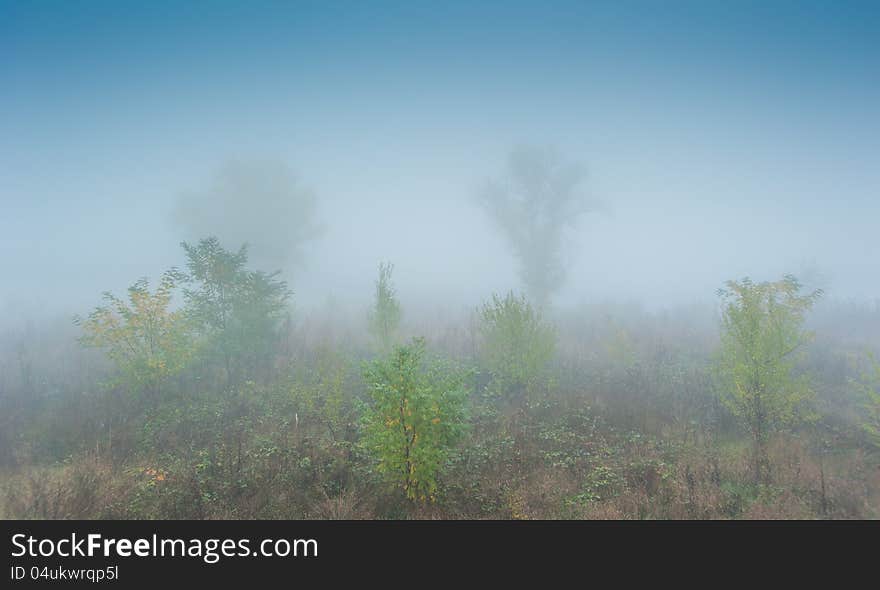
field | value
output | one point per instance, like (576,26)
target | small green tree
(146,339)
(761,334)
(415,416)
(237,310)
(517,344)
(869,387)
(385,315)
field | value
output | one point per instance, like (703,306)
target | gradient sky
(723,138)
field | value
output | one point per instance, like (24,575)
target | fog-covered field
(401,260)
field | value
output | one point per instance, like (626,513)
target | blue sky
(724,138)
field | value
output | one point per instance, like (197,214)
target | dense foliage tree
(385,314)
(761,335)
(146,339)
(517,346)
(532,206)
(238,311)
(415,416)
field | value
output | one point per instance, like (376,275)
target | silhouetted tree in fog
(255,202)
(532,206)
(385,315)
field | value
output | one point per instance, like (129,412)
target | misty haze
(564,260)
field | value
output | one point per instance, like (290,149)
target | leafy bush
(761,334)
(416,415)
(517,344)
(144,337)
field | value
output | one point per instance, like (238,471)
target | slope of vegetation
(203,398)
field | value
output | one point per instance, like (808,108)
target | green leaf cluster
(517,344)
(237,311)
(761,337)
(384,317)
(146,339)
(415,416)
